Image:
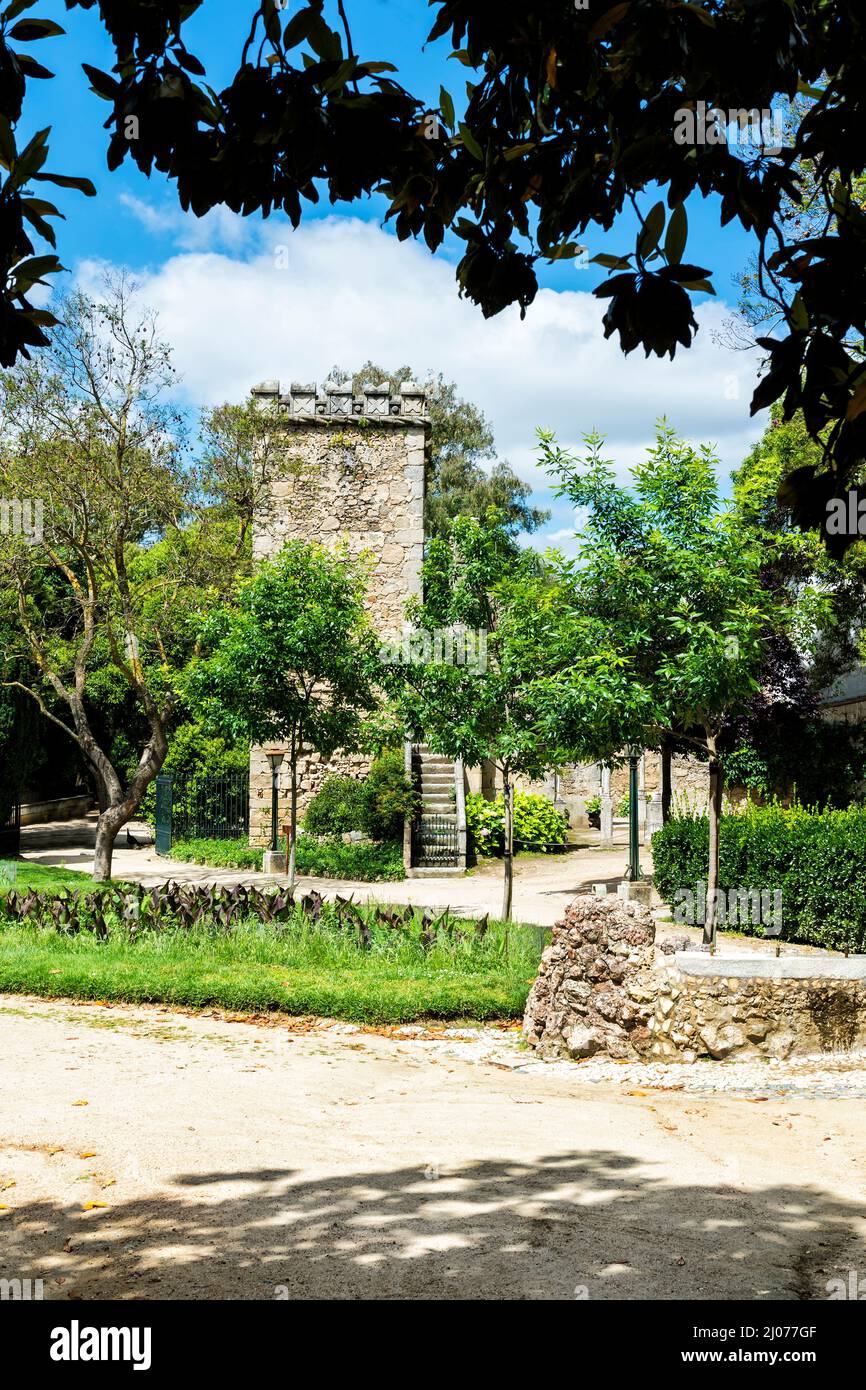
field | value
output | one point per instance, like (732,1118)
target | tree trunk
(293,824)
(715,813)
(508,856)
(110,822)
(667,790)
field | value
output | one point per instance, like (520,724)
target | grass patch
(301,967)
(43,877)
(326,857)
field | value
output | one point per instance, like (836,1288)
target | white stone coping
(771,967)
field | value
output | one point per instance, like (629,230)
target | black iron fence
(208,808)
(435,842)
(10,834)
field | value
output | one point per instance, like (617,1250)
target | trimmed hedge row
(816,859)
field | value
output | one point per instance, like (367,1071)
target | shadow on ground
(492,1229)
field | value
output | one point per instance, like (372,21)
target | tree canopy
(570,117)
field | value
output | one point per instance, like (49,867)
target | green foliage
(389,797)
(376,805)
(376,965)
(366,863)
(325,857)
(537,823)
(288,659)
(194,752)
(337,807)
(221,854)
(817,860)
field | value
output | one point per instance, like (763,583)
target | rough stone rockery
(596,989)
(606,986)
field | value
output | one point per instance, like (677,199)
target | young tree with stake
(290,661)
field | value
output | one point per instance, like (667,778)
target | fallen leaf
(89,1206)
(88,1153)
(81,1102)
(637,1093)
(110,1183)
(6,1186)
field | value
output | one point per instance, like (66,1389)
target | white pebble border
(842,1074)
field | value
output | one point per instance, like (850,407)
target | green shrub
(193,753)
(389,798)
(337,807)
(817,860)
(376,806)
(334,858)
(537,823)
(328,857)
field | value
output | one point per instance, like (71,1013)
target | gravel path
(147,1153)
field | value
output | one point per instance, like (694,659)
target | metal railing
(435,841)
(209,808)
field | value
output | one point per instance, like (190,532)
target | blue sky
(348,290)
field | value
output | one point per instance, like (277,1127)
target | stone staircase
(436,841)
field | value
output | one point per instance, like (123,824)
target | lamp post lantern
(633,872)
(275,758)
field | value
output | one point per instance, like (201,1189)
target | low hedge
(326,857)
(817,860)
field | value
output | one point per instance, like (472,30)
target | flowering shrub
(537,823)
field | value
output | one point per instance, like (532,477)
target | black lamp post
(633,872)
(275,759)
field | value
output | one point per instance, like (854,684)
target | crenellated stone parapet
(338,402)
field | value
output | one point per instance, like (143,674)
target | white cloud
(273,302)
(218,228)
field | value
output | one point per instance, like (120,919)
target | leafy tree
(551,688)
(289,660)
(677,582)
(571,116)
(104,595)
(461,440)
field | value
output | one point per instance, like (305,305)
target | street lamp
(633,872)
(275,758)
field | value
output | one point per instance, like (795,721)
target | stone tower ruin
(352,470)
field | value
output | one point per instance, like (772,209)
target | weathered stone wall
(604,986)
(723,1016)
(351,471)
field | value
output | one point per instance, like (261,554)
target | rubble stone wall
(606,986)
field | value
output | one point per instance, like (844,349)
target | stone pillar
(653,817)
(606,810)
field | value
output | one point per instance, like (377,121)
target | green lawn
(41,876)
(300,968)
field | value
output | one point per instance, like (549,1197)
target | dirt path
(246,1161)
